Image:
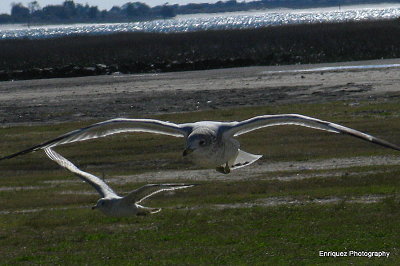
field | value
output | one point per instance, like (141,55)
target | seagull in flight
(209,144)
(110,203)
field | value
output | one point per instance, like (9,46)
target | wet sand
(104,97)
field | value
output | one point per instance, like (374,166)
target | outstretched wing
(149,190)
(104,190)
(109,127)
(239,128)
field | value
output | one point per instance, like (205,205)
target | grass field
(45,215)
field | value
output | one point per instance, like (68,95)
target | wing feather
(149,190)
(104,190)
(109,127)
(239,128)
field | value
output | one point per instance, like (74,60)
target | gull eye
(202,142)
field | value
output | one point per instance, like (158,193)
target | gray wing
(109,127)
(149,190)
(239,128)
(104,190)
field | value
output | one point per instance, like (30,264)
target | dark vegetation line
(160,52)
(70,12)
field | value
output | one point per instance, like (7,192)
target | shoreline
(132,53)
(44,101)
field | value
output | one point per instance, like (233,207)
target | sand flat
(103,97)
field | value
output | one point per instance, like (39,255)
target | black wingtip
(12,156)
(375,140)
(385,143)
(18,153)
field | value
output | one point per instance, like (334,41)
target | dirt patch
(104,97)
(277,201)
(263,202)
(260,171)
(34,210)
(19,188)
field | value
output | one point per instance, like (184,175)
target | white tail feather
(244,159)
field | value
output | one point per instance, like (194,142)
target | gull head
(200,141)
(200,145)
(102,204)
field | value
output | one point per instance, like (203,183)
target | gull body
(210,144)
(110,203)
(207,147)
(118,207)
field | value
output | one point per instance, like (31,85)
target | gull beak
(187,151)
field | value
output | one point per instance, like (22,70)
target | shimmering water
(239,20)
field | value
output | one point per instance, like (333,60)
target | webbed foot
(223,169)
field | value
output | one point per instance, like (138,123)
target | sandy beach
(103,97)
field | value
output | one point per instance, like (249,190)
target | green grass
(256,236)
(190,230)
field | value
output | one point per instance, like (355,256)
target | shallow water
(186,23)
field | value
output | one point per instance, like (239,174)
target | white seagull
(208,143)
(110,203)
